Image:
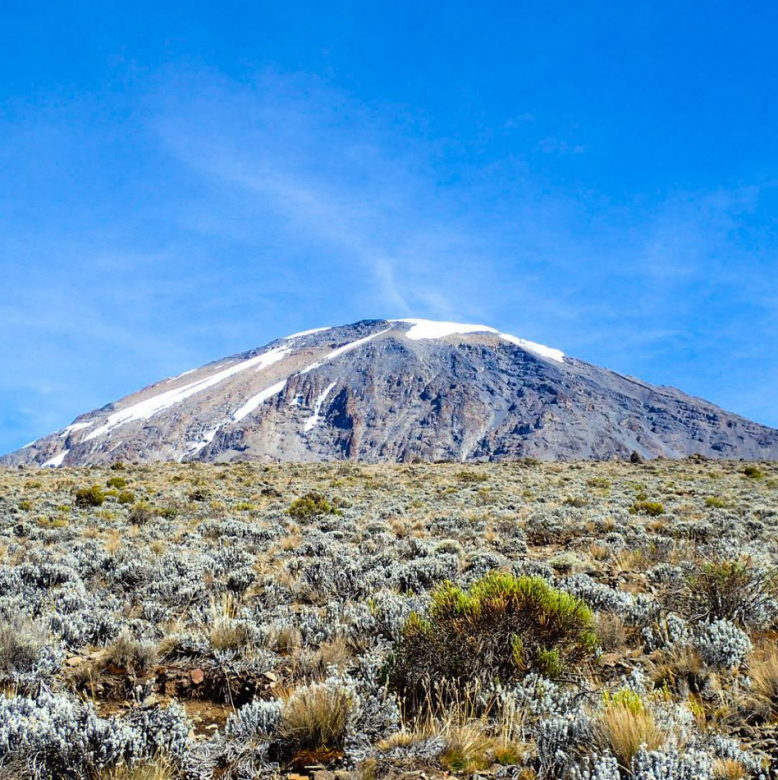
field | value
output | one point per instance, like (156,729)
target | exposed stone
(372,392)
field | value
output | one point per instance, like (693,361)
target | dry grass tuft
(315,718)
(761,701)
(625,724)
(159,769)
(728,769)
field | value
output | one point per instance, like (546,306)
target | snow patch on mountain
(147,408)
(539,349)
(56,461)
(205,440)
(316,417)
(75,427)
(342,350)
(275,389)
(307,333)
(258,399)
(433,329)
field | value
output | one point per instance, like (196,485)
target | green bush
(650,508)
(716,502)
(736,590)
(126,497)
(141,513)
(753,472)
(91,496)
(472,477)
(501,629)
(311,505)
(117,482)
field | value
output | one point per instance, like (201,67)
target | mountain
(400,390)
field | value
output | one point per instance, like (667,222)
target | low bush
(650,508)
(501,629)
(311,505)
(21,645)
(141,513)
(91,496)
(736,590)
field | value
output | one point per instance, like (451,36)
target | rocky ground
(522,620)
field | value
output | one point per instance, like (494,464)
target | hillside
(400,391)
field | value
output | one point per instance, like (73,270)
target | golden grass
(315,717)
(762,698)
(623,728)
(159,769)
(728,769)
(473,739)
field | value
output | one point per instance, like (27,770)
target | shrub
(650,508)
(92,496)
(140,514)
(472,477)
(729,769)
(733,590)
(228,634)
(469,747)
(22,644)
(753,472)
(117,482)
(158,769)
(716,502)
(255,719)
(311,505)
(722,644)
(502,628)
(126,497)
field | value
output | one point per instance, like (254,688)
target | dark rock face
(401,391)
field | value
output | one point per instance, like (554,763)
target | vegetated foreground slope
(400,391)
(579,620)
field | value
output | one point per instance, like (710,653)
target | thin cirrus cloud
(497,244)
(356,185)
(361,189)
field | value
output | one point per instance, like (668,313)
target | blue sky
(182,181)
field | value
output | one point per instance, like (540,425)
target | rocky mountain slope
(400,390)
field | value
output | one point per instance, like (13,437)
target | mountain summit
(400,390)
